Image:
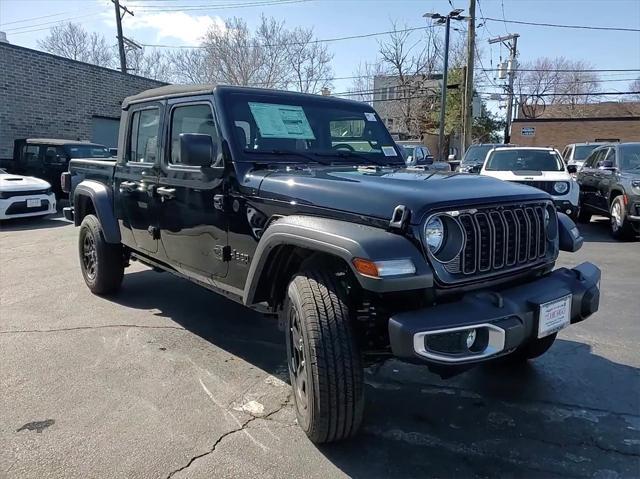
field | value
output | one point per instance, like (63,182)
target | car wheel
(532,349)
(619,225)
(325,367)
(101,263)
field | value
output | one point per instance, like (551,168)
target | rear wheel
(102,263)
(324,362)
(619,225)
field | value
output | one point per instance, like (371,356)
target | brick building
(560,125)
(43,95)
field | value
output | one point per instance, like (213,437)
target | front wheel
(324,363)
(619,225)
(102,263)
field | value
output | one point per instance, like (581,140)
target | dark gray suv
(610,185)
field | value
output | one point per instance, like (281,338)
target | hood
(529,175)
(10,182)
(376,193)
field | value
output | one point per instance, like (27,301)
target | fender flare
(101,196)
(343,240)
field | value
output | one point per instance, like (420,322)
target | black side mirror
(606,165)
(196,149)
(572,169)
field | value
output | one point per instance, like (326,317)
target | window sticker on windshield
(281,121)
(389,151)
(370,116)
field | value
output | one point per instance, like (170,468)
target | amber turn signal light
(366,267)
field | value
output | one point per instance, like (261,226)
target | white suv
(542,168)
(23,196)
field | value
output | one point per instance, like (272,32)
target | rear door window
(31,155)
(143,136)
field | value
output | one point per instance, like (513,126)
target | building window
(392,93)
(390,122)
(383,94)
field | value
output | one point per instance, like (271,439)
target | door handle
(128,186)
(166,193)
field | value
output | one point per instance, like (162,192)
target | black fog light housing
(465,341)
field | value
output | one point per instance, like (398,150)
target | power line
(35,18)
(326,40)
(194,8)
(52,22)
(558,25)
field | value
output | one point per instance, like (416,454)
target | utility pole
(467,118)
(121,38)
(511,71)
(446,20)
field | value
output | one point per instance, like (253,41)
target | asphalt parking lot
(169,380)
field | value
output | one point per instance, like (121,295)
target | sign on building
(528,131)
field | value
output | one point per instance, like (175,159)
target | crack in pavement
(81,328)
(229,433)
(212,448)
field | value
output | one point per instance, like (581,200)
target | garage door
(105,131)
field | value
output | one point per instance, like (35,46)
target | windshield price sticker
(281,121)
(389,151)
(370,116)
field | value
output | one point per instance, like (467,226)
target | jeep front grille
(500,238)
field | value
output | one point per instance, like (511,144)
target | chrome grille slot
(499,238)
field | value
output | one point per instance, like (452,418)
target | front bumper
(18,206)
(566,207)
(509,317)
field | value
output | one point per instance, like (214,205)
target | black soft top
(58,142)
(170,91)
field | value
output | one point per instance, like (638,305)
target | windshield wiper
(281,152)
(350,154)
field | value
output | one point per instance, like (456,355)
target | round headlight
(561,187)
(434,234)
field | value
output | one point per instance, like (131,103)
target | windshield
(630,157)
(524,160)
(476,154)
(286,128)
(87,151)
(582,151)
(407,150)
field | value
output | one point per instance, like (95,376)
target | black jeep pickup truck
(301,206)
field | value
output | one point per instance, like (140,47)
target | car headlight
(47,191)
(434,234)
(635,184)
(561,187)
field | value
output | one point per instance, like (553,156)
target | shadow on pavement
(569,413)
(34,223)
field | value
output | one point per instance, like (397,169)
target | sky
(183,22)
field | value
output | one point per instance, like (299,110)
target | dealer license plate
(37,203)
(554,316)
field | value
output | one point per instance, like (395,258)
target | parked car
(541,168)
(610,185)
(576,153)
(475,155)
(47,158)
(418,155)
(23,196)
(258,195)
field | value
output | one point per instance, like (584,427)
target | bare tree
(271,57)
(412,63)
(557,81)
(310,62)
(191,66)
(71,40)
(363,82)
(634,86)
(153,64)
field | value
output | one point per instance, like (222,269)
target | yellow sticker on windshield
(281,121)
